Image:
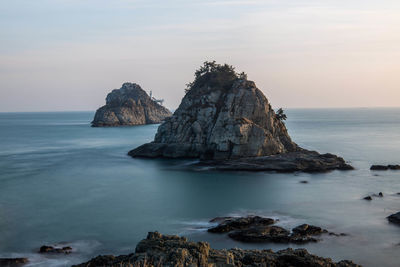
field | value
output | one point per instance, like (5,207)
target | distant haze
(68,54)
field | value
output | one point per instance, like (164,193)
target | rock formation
(224,116)
(384,167)
(257,229)
(394,218)
(129,105)
(162,250)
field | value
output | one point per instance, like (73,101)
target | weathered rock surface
(302,160)
(13,262)
(384,167)
(394,218)
(259,229)
(225,117)
(129,105)
(51,249)
(228,224)
(163,250)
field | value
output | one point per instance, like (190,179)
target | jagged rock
(13,262)
(259,229)
(228,224)
(394,218)
(129,105)
(51,249)
(226,117)
(164,250)
(384,167)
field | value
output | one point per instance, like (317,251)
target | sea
(65,183)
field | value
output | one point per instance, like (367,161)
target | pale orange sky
(68,54)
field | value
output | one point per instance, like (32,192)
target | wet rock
(166,251)
(13,262)
(302,160)
(304,182)
(227,224)
(384,167)
(129,105)
(275,234)
(368,198)
(394,218)
(51,249)
(380,194)
(259,229)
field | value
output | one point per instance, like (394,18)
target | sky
(66,55)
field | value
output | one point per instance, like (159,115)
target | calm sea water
(62,181)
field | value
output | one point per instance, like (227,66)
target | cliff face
(129,105)
(214,122)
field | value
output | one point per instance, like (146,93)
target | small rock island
(226,121)
(129,105)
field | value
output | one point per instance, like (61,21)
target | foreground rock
(225,118)
(129,105)
(13,262)
(51,249)
(259,229)
(384,167)
(163,250)
(394,218)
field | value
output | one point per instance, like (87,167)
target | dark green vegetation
(215,75)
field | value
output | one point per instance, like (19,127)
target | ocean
(64,182)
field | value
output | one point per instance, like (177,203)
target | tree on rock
(280,115)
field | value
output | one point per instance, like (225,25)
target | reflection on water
(63,181)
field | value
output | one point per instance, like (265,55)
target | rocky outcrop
(129,105)
(13,262)
(384,167)
(394,218)
(225,117)
(163,250)
(51,249)
(302,160)
(258,229)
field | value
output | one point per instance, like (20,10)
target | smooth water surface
(62,181)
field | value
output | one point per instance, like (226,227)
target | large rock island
(228,123)
(129,105)
(163,250)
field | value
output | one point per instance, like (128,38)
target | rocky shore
(129,105)
(226,121)
(166,250)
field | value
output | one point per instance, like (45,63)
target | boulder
(164,250)
(228,224)
(13,262)
(225,118)
(51,249)
(384,167)
(394,218)
(259,229)
(129,105)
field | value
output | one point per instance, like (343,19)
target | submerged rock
(13,262)
(259,229)
(51,249)
(227,224)
(225,118)
(384,167)
(394,218)
(129,105)
(164,250)
(367,198)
